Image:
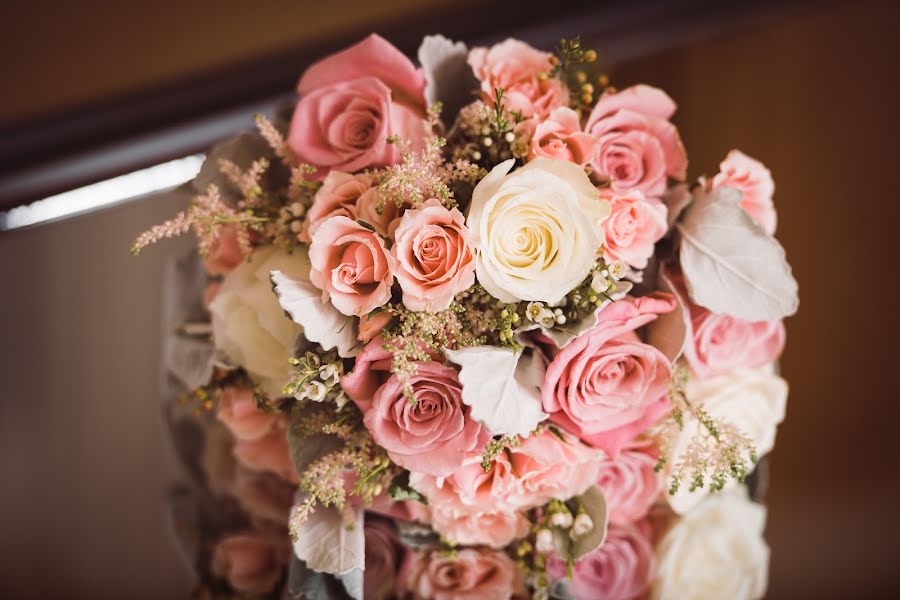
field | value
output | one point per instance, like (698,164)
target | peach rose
(434,259)
(630,482)
(337,196)
(466,575)
(560,136)
(433,435)
(633,228)
(384,221)
(371,327)
(606,386)
(252,563)
(351,102)
(351,265)
(383,556)
(241,414)
(755,182)
(224,253)
(621,569)
(269,453)
(516,67)
(638,146)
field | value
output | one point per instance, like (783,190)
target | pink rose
(337,197)
(241,414)
(621,569)
(351,102)
(717,343)
(270,453)
(630,482)
(383,555)
(516,67)
(225,252)
(435,260)
(433,435)
(754,180)
(560,136)
(384,221)
(466,575)
(633,228)
(638,146)
(252,562)
(351,264)
(606,386)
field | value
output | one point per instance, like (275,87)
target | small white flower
(561,519)
(618,270)
(329,374)
(600,283)
(341,399)
(510,137)
(547,318)
(313,359)
(543,542)
(534,310)
(315,391)
(583,524)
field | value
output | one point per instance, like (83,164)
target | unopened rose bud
(543,542)
(583,524)
(561,519)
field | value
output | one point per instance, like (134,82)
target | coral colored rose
(270,453)
(517,67)
(224,253)
(621,569)
(638,146)
(434,434)
(252,563)
(537,229)
(630,482)
(371,327)
(383,556)
(239,411)
(715,551)
(249,326)
(337,197)
(383,218)
(606,386)
(434,259)
(466,575)
(755,182)
(633,228)
(351,102)
(560,136)
(351,264)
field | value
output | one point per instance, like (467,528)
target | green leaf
(400,489)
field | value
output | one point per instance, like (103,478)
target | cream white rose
(753,400)
(249,326)
(715,551)
(537,230)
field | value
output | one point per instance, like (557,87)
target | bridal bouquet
(469,332)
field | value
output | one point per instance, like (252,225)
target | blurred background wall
(813,90)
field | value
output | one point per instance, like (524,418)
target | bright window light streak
(103,193)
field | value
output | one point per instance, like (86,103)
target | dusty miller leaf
(594,503)
(448,78)
(668,332)
(730,264)
(332,541)
(502,390)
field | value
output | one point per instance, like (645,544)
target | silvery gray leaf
(676,200)
(668,332)
(594,503)
(189,359)
(417,535)
(561,590)
(353,583)
(305,584)
(331,540)
(448,77)
(242,151)
(730,264)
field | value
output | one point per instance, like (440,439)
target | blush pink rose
(383,556)
(252,563)
(383,218)
(434,258)
(270,453)
(717,343)
(634,226)
(225,252)
(621,569)
(606,386)
(755,181)
(433,435)
(516,67)
(241,414)
(630,482)
(351,264)
(351,102)
(468,574)
(560,136)
(371,327)
(337,197)
(638,148)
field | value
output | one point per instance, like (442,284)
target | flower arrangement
(471,333)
